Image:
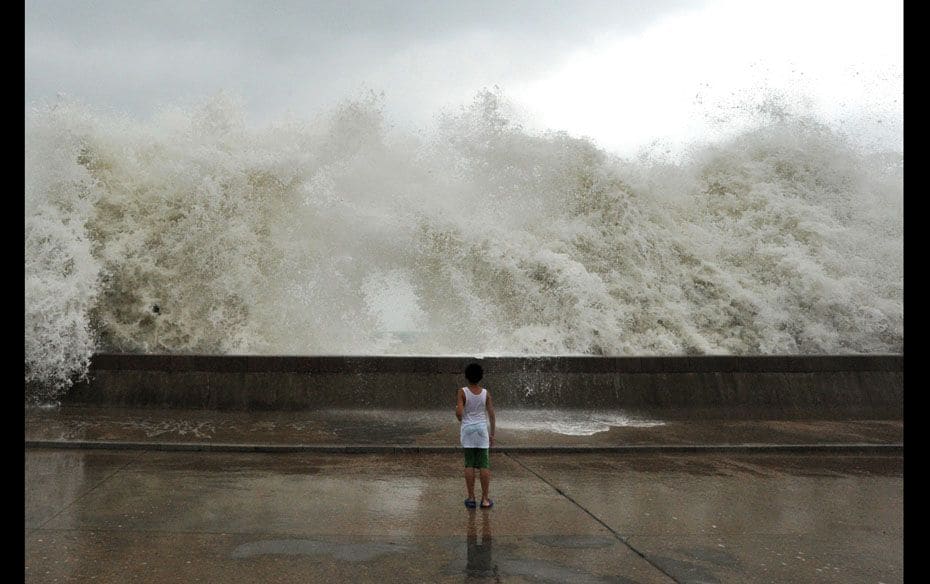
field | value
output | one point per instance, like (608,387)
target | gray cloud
(304,56)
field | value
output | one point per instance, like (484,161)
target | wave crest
(195,233)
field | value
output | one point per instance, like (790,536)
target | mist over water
(194,232)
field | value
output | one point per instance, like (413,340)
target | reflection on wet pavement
(479,561)
(162,516)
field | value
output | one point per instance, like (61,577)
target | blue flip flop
(471,503)
(489,505)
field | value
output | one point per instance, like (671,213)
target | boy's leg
(470,482)
(485,484)
(485,468)
(470,472)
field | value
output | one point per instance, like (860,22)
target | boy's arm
(459,404)
(490,407)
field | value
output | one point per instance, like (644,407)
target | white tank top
(474,407)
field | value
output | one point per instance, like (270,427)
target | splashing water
(195,233)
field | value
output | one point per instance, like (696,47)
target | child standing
(475,409)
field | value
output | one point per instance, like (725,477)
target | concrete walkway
(112,516)
(424,430)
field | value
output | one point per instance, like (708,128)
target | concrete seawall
(773,387)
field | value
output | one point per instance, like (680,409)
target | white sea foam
(571,423)
(343,236)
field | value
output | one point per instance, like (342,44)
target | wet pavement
(113,516)
(434,428)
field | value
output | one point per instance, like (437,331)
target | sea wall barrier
(773,387)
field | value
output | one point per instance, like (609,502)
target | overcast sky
(622,72)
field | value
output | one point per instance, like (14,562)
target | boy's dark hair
(474,372)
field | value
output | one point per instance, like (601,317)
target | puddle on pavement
(348,552)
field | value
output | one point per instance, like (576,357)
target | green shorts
(477,458)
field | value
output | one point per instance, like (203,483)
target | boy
(473,409)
